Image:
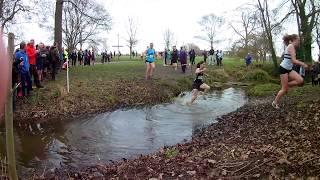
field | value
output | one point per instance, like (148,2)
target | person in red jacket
(31,52)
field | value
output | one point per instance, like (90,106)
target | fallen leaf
(224,172)
(212,161)
(191,173)
(283,161)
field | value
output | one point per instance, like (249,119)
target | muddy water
(122,133)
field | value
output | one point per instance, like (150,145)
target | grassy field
(121,83)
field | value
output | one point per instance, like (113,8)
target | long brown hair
(289,38)
(199,63)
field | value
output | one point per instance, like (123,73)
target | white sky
(154,16)
(180,16)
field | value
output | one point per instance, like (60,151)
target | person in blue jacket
(150,61)
(248,60)
(24,66)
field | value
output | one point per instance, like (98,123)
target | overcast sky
(155,16)
(180,16)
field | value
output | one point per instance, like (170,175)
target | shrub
(219,75)
(257,75)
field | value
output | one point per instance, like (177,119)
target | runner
(150,58)
(198,84)
(288,77)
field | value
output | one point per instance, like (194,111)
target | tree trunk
(306,23)
(307,46)
(267,27)
(130,51)
(58,24)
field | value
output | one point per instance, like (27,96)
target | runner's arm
(294,60)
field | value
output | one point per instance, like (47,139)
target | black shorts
(284,71)
(39,64)
(197,84)
(149,62)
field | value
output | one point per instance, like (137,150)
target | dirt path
(256,141)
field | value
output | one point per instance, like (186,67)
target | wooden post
(9,117)
(68,86)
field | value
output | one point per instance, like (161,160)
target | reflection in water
(123,133)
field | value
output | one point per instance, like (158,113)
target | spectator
(46,63)
(89,57)
(205,55)
(86,57)
(41,59)
(73,58)
(55,60)
(165,56)
(174,58)
(31,52)
(211,56)
(183,59)
(15,78)
(219,57)
(93,56)
(248,60)
(80,56)
(65,55)
(192,56)
(103,57)
(24,66)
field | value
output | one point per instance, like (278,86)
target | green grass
(257,75)
(263,89)
(170,153)
(96,81)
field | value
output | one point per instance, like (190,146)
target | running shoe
(276,106)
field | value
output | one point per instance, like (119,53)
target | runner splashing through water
(198,84)
(289,78)
(150,58)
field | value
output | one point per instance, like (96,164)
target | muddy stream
(125,133)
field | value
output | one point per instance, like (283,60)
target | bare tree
(210,24)
(90,19)
(271,27)
(249,23)
(306,13)
(9,9)
(132,35)
(168,37)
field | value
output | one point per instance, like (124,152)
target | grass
(170,153)
(263,89)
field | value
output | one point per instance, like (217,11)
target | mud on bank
(256,141)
